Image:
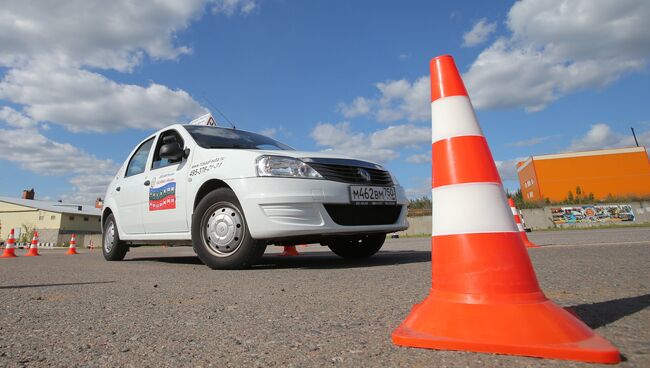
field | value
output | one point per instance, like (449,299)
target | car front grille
(357,215)
(351,174)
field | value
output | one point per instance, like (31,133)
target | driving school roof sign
(206,119)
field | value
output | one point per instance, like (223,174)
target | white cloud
(508,168)
(360,106)
(341,139)
(555,47)
(230,7)
(559,47)
(401,136)
(15,118)
(378,146)
(104,34)
(49,49)
(420,158)
(479,33)
(85,101)
(602,136)
(397,100)
(38,154)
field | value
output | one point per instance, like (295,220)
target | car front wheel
(220,235)
(362,247)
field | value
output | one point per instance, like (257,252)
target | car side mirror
(171,151)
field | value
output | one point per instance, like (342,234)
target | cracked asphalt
(162,307)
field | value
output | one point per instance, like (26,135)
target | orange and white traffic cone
(10,246)
(289,251)
(91,245)
(73,245)
(520,226)
(484,294)
(33,248)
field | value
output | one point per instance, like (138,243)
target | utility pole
(634,135)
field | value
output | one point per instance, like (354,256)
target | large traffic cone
(484,294)
(73,245)
(33,248)
(289,251)
(10,246)
(520,226)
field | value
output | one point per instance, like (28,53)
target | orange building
(619,172)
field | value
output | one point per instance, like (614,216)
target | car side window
(169,136)
(138,161)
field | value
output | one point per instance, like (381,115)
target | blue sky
(80,85)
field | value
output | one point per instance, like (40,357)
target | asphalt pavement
(162,307)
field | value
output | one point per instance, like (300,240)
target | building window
(530,194)
(40,218)
(71,218)
(85,218)
(53,217)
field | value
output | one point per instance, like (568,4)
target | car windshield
(214,137)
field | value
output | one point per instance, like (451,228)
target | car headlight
(285,167)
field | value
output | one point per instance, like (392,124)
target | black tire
(220,235)
(356,248)
(113,248)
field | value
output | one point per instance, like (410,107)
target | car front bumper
(289,207)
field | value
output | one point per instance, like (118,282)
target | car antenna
(217,109)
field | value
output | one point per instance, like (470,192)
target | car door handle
(147,182)
(118,189)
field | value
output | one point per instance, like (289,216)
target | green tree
(569,197)
(27,233)
(578,194)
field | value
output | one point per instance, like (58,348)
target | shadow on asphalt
(312,260)
(603,313)
(48,285)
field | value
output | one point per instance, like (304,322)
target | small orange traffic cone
(10,247)
(290,251)
(520,226)
(484,294)
(33,248)
(73,245)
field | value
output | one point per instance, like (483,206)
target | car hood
(311,155)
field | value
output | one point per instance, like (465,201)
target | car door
(166,211)
(131,191)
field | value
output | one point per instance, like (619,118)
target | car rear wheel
(362,247)
(112,247)
(220,235)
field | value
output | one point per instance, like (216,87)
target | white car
(230,193)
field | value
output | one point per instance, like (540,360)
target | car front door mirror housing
(171,151)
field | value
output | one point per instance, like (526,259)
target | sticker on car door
(162,193)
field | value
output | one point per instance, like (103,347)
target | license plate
(360,194)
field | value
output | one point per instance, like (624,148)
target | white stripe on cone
(471,208)
(457,109)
